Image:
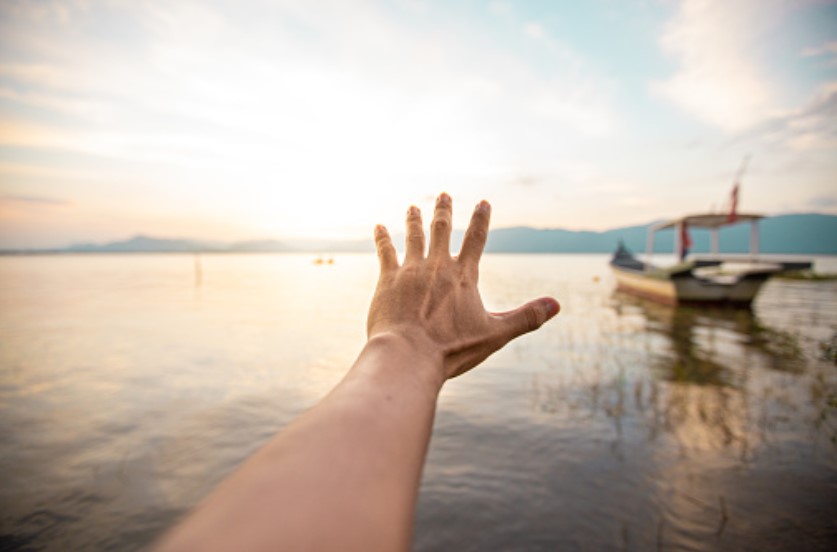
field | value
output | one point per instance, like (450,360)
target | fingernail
(483,206)
(552,308)
(413,211)
(380,230)
(444,199)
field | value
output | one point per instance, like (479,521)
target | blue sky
(234,120)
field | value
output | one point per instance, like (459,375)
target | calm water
(129,386)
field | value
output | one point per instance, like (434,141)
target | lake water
(131,384)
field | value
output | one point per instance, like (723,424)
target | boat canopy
(713,220)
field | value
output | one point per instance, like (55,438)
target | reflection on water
(703,338)
(740,417)
(129,385)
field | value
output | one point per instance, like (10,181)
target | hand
(433,303)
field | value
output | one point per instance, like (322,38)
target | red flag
(685,241)
(733,207)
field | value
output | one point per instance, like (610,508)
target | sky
(230,120)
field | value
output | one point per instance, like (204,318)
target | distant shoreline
(800,234)
(56,253)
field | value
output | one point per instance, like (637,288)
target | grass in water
(807,275)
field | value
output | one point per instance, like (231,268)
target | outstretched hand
(368,437)
(432,301)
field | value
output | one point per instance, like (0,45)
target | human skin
(345,474)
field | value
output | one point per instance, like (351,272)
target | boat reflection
(704,379)
(712,345)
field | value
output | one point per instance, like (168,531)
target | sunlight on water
(130,385)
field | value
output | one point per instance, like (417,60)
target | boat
(714,279)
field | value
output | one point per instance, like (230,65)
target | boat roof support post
(714,245)
(754,238)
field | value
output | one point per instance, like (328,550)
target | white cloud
(534,30)
(501,8)
(719,79)
(347,80)
(827,52)
(224,108)
(585,111)
(233,107)
(829,48)
(810,128)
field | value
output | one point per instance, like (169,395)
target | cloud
(215,107)
(572,96)
(501,8)
(283,76)
(810,128)
(582,109)
(823,202)
(527,181)
(33,73)
(32,200)
(827,49)
(227,110)
(719,79)
(61,103)
(534,30)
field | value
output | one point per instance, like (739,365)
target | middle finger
(415,235)
(440,229)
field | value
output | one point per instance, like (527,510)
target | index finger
(415,236)
(385,249)
(473,243)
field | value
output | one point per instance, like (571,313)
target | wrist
(412,358)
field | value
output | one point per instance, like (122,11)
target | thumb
(529,317)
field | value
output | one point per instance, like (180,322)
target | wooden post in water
(198,270)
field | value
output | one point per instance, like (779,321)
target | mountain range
(794,234)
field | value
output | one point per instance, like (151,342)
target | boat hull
(686,288)
(656,289)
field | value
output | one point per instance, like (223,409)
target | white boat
(713,279)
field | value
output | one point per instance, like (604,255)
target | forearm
(342,476)
(345,475)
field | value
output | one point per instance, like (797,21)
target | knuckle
(415,242)
(410,273)
(481,217)
(441,224)
(532,319)
(384,282)
(479,234)
(467,276)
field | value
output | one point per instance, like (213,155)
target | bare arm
(345,475)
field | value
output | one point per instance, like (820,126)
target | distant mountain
(259,246)
(812,234)
(145,244)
